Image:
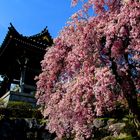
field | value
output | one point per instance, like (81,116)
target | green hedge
(17,109)
(19,105)
(20,113)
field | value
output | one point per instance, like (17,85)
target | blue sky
(31,16)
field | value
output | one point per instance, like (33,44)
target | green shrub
(36,114)
(19,105)
(20,113)
(1,116)
(127,137)
(122,137)
(16,109)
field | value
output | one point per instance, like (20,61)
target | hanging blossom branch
(83,73)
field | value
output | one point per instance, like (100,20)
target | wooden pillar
(22,78)
(23,74)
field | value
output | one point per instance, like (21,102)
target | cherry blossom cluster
(92,63)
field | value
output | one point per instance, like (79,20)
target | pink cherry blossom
(93,63)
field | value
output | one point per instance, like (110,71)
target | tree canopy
(94,63)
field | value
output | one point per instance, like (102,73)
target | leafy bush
(19,105)
(20,113)
(123,137)
(18,109)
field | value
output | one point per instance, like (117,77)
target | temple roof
(17,46)
(20,58)
(41,40)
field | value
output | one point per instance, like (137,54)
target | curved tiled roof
(40,40)
(16,45)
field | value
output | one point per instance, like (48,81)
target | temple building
(20,58)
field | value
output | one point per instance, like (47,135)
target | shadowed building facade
(20,58)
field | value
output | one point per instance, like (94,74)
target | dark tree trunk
(129,91)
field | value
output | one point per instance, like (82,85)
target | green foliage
(1,116)
(19,105)
(43,121)
(16,109)
(121,137)
(20,113)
